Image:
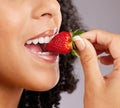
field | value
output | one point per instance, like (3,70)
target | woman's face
(24,25)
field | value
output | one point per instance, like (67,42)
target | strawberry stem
(74,51)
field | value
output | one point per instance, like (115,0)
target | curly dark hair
(67,82)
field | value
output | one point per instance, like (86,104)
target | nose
(46,8)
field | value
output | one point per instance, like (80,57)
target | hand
(100,91)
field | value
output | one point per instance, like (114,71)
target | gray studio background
(95,14)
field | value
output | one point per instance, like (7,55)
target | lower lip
(48,57)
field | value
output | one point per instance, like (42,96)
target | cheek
(10,24)
(11,27)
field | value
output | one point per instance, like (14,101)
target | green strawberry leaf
(71,33)
(77,32)
(75,53)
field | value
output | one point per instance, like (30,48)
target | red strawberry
(62,43)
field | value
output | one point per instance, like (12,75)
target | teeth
(35,41)
(29,42)
(40,40)
(47,39)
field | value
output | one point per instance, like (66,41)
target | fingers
(107,40)
(101,42)
(89,60)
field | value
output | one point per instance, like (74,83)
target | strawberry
(63,43)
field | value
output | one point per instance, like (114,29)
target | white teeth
(40,40)
(35,41)
(29,42)
(47,39)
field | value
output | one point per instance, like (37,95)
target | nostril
(46,15)
(36,14)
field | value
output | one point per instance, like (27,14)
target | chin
(45,86)
(43,83)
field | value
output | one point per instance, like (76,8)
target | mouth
(36,45)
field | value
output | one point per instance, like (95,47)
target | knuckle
(87,58)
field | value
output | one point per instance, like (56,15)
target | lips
(36,44)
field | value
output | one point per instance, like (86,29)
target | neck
(9,97)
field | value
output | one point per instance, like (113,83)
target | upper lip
(51,32)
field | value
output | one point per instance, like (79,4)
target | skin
(100,91)
(21,20)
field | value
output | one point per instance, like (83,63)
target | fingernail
(79,42)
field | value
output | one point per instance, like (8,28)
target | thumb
(89,59)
